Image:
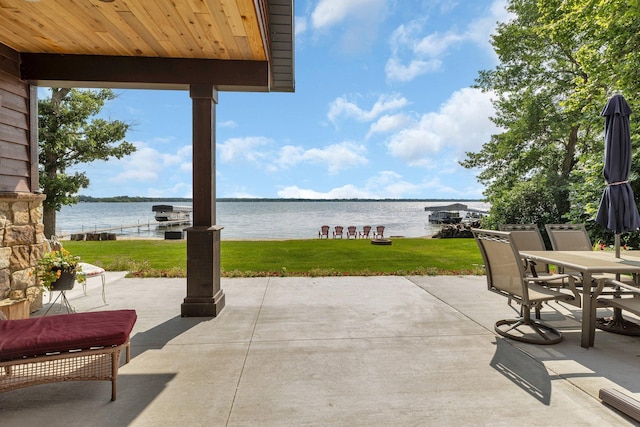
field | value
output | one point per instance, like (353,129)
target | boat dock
(172,213)
(452,214)
(108,233)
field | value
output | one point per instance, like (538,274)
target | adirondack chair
(379,234)
(338,231)
(351,232)
(364,234)
(324,232)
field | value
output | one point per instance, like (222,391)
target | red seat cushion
(61,333)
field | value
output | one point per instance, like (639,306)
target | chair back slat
(505,273)
(527,237)
(569,237)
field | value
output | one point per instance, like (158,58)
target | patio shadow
(160,335)
(523,370)
(87,402)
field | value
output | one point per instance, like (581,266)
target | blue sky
(383,108)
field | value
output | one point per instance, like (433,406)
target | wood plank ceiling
(225,30)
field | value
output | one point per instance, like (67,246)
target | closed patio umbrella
(618,211)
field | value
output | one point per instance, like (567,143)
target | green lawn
(161,258)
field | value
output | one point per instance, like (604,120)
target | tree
(610,55)
(550,85)
(70,134)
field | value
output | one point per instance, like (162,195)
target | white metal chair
(88,270)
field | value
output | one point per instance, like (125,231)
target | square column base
(207,307)
(204,297)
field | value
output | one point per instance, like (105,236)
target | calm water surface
(261,219)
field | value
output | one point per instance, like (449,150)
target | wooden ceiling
(252,31)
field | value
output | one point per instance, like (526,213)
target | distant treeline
(121,199)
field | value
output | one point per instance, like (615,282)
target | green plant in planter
(52,264)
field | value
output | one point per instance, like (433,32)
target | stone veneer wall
(21,245)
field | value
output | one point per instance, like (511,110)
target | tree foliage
(559,61)
(71,134)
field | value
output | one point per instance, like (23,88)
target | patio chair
(379,234)
(364,234)
(569,237)
(527,237)
(351,232)
(630,304)
(324,232)
(338,231)
(506,276)
(574,237)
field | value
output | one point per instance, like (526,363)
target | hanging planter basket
(65,282)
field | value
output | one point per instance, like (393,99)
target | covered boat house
(202,47)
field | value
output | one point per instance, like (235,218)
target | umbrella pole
(617,313)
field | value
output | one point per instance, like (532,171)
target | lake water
(261,219)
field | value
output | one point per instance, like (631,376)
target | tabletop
(589,261)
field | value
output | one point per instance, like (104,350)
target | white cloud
(260,151)
(162,140)
(301,23)
(337,156)
(343,108)
(229,124)
(437,44)
(480,30)
(289,156)
(423,54)
(331,12)
(181,189)
(185,154)
(462,124)
(362,18)
(389,123)
(386,184)
(391,185)
(243,149)
(397,71)
(147,164)
(346,192)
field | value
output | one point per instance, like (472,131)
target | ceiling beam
(142,72)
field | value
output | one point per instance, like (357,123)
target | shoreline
(275,239)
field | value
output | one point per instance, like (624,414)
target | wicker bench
(66,347)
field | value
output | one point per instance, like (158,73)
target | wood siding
(15,127)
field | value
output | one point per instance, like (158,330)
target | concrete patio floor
(347,351)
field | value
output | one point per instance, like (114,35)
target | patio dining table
(588,263)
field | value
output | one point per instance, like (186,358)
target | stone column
(21,245)
(204,294)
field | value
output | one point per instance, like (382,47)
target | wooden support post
(204,294)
